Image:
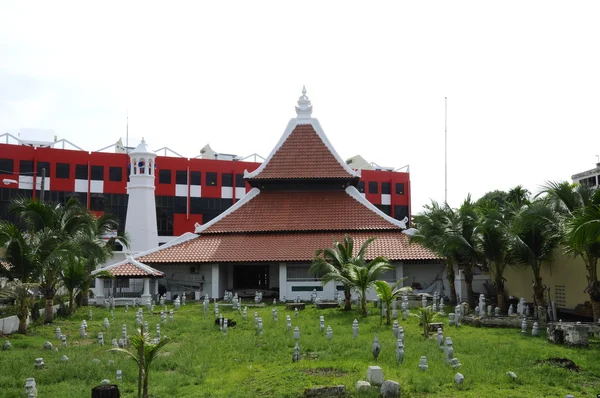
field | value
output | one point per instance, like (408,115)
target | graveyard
(274,351)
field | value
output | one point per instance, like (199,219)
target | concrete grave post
(355,328)
(423,363)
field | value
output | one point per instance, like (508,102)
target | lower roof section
(252,247)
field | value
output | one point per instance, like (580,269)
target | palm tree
(535,238)
(143,351)
(434,225)
(333,264)
(68,231)
(387,294)
(362,277)
(494,243)
(23,295)
(577,206)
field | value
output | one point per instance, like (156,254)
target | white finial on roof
(304,108)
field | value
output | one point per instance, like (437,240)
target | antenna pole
(446,149)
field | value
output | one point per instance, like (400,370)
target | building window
(6,166)
(373,187)
(195,178)
(300,273)
(180,205)
(115,174)
(26,167)
(63,170)
(164,176)
(211,179)
(385,208)
(40,168)
(399,188)
(385,188)
(226,180)
(361,187)
(181,177)
(239,180)
(97,173)
(81,172)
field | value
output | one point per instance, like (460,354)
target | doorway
(251,277)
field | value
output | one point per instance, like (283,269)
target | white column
(100,291)
(146,291)
(215,281)
(400,272)
(282,281)
(461,287)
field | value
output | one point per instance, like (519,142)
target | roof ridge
(245,199)
(356,195)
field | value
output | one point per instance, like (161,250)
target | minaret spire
(304,108)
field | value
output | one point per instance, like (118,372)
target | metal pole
(43,185)
(446,149)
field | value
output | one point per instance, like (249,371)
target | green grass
(201,362)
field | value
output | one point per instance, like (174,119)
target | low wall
(10,324)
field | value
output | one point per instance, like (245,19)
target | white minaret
(140,224)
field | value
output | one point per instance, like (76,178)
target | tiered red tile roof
(270,224)
(132,269)
(303,155)
(284,246)
(301,211)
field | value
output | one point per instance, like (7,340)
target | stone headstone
(114,343)
(64,358)
(459,378)
(451,319)
(171,316)
(455,363)
(47,345)
(110,362)
(30,388)
(395,329)
(112,314)
(126,307)
(423,301)
(489,310)
(106,323)
(390,389)
(401,334)
(296,354)
(535,331)
(260,326)
(511,310)
(183,299)
(39,363)
(497,311)
(355,328)
(524,327)
(105,382)
(321,323)
(119,375)
(363,386)
(449,350)
(296,333)
(375,348)
(100,339)
(512,375)
(296,313)
(375,375)
(7,346)
(440,338)
(423,363)
(275,314)
(399,351)
(225,327)
(329,333)
(63,338)
(57,333)
(158,331)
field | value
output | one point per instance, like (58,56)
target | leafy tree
(143,351)
(334,264)
(536,236)
(426,317)
(388,294)
(434,226)
(23,295)
(363,276)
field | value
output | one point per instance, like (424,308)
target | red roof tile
(131,268)
(301,211)
(303,155)
(393,245)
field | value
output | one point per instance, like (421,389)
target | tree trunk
(85,293)
(22,315)
(141,362)
(71,302)
(348,299)
(469,285)
(453,299)
(500,292)
(145,394)
(538,291)
(595,309)
(49,314)
(363,304)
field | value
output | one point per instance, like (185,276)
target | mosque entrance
(251,277)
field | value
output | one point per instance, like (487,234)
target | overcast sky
(522,80)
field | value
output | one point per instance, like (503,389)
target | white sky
(522,81)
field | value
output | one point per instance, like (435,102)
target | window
(6,166)
(97,173)
(227,180)
(26,167)
(399,188)
(40,168)
(181,177)
(81,172)
(361,187)
(300,273)
(115,173)
(164,176)
(400,212)
(63,170)
(385,188)
(180,205)
(373,187)
(211,179)
(239,181)
(384,208)
(195,178)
